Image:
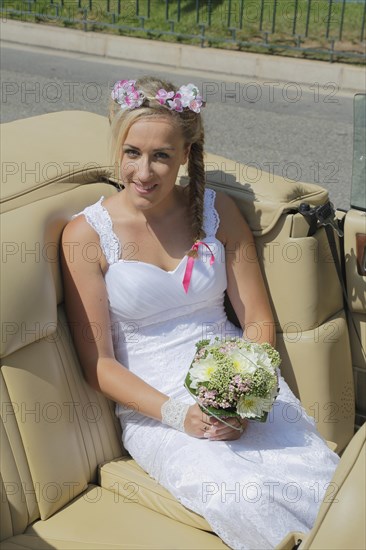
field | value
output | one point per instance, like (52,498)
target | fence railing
(326,29)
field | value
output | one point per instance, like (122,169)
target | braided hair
(191,126)
(197,183)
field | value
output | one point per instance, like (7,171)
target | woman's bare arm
(86,304)
(87,310)
(245,288)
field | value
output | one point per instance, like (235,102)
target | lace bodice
(98,217)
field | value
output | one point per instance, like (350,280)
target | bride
(166,255)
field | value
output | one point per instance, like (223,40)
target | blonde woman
(166,256)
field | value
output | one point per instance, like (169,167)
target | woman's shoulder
(226,206)
(80,226)
(223,201)
(232,221)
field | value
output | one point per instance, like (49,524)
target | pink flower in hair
(195,105)
(162,96)
(175,104)
(126,95)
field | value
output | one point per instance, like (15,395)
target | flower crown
(128,96)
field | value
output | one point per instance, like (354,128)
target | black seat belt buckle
(321,215)
(326,216)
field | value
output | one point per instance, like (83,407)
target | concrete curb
(222,63)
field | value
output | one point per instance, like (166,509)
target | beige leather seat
(66,480)
(340,524)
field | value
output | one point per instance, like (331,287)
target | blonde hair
(191,126)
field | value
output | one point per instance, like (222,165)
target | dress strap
(211,222)
(211,219)
(98,217)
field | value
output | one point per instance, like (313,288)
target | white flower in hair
(190,97)
(126,95)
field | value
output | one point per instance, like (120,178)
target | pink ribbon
(190,264)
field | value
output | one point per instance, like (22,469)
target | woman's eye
(131,153)
(162,155)
(134,153)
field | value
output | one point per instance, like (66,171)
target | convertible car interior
(67,482)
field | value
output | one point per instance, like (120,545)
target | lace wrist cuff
(173,413)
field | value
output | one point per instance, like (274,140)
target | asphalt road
(303,133)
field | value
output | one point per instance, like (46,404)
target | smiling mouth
(145,188)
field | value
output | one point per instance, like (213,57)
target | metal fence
(326,29)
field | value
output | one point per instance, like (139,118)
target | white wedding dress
(252,491)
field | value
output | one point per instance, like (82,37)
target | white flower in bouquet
(202,370)
(252,406)
(243,361)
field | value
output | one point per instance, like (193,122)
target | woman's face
(153,151)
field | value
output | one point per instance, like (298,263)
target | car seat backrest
(19,505)
(56,429)
(341,519)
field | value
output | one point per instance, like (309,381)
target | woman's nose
(144,169)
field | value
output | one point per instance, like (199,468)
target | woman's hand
(222,432)
(198,424)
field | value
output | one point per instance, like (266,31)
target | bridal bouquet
(234,378)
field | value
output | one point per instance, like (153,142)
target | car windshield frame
(358,185)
